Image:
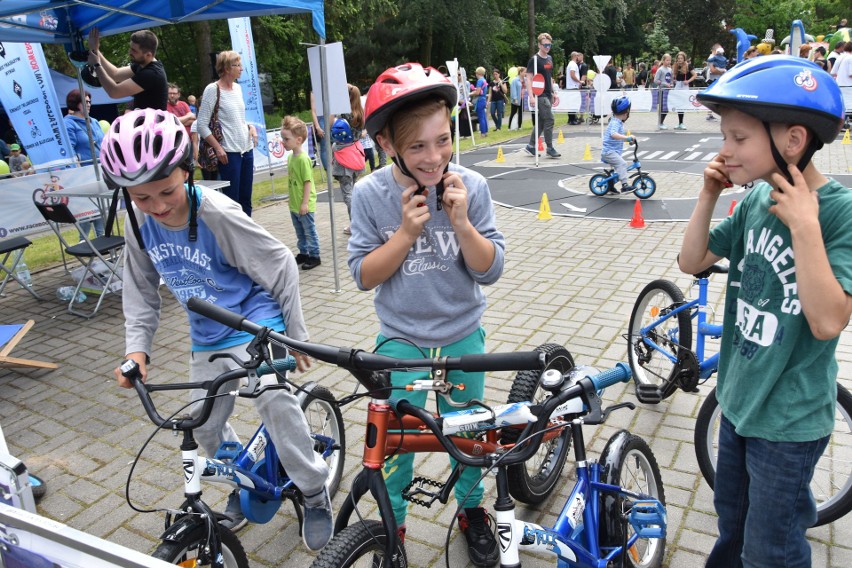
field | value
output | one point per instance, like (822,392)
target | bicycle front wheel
(644,186)
(649,365)
(832,482)
(629,463)
(190,548)
(325,424)
(532,481)
(361,544)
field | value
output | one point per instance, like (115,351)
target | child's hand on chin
(716,176)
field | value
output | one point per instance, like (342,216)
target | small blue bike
(644,185)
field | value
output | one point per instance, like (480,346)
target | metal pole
(326,113)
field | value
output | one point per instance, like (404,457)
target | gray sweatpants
(279,411)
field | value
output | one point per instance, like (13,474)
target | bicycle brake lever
(606,411)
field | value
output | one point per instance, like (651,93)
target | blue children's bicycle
(659,350)
(643,185)
(193,535)
(615,515)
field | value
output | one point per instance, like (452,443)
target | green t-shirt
(300,169)
(776,380)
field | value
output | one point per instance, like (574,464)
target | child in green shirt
(303,192)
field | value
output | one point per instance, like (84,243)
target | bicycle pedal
(414,490)
(649,394)
(648,518)
(228,451)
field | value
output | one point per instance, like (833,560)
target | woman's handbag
(207,159)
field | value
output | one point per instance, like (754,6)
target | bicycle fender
(185,524)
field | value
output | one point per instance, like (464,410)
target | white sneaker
(680,127)
(662,127)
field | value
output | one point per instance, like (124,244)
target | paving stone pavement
(569,281)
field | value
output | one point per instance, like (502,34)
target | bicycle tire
(629,463)
(832,482)
(675,334)
(597,189)
(644,186)
(324,417)
(533,481)
(185,548)
(39,488)
(361,544)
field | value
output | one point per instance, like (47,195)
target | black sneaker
(236,520)
(312,262)
(529,150)
(552,153)
(626,188)
(481,544)
(301,259)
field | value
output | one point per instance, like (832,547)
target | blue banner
(27,94)
(243,43)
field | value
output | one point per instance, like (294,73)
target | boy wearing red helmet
(424,237)
(788,299)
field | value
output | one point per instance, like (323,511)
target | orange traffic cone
(637,222)
(541,143)
(731,210)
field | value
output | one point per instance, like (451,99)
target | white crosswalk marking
(692,156)
(709,156)
(653,155)
(670,154)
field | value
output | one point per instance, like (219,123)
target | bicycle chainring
(687,378)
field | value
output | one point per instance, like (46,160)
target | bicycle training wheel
(189,548)
(361,544)
(644,186)
(596,186)
(629,463)
(532,482)
(832,481)
(672,337)
(326,426)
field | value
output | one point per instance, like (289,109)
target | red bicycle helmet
(400,86)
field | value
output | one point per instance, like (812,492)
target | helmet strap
(400,163)
(193,210)
(812,148)
(134,224)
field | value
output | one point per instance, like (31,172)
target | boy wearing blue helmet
(613,141)
(789,243)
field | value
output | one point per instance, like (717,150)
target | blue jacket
(79,138)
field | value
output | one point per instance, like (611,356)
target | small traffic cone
(500,157)
(637,222)
(541,143)
(544,209)
(628,134)
(561,139)
(731,209)
(587,155)
(846,139)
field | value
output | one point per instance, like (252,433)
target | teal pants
(399,470)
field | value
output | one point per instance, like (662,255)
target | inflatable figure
(743,42)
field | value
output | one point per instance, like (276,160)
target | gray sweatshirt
(434,299)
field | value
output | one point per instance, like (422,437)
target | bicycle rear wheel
(190,548)
(597,187)
(832,481)
(532,482)
(649,366)
(326,422)
(629,463)
(361,544)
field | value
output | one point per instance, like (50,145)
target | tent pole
(326,113)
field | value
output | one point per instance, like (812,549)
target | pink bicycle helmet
(144,145)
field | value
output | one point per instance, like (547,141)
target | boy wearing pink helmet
(202,245)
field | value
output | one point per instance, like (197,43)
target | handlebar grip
(618,374)
(280,365)
(219,314)
(520,361)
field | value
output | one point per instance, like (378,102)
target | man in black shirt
(144,79)
(542,63)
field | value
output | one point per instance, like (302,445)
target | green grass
(45,253)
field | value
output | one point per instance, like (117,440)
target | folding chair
(108,249)
(14,245)
(10,335)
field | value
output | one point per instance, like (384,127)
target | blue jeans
(307,240)
(239,171)
(498,108)
(481,115)
(763,500)
(97,222)
(321,143)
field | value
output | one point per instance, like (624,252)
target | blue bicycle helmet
(341,132)
(620,105)
(783,89)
